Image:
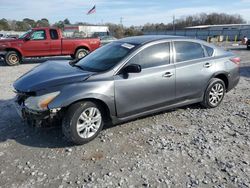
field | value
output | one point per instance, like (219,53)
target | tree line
(24,25)
(194,20)
(120,31)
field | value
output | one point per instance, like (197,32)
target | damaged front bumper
(35,118)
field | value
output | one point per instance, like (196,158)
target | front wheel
(214,93)
(12,58)
(83,122)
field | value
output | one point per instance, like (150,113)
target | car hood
(50,74)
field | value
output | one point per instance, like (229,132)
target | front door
(152,88)
(37,45)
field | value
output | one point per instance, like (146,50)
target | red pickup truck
(40,42)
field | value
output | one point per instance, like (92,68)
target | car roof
(148,38)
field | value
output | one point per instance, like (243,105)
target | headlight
(40,103)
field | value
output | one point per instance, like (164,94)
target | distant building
(221,27)
(230,32)
(85,31)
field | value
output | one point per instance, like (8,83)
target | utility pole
(121,21)
(173,22)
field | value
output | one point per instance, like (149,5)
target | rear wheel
(83,122)
(12,58)
(214,93)
(81,53)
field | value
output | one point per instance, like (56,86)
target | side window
(152,56)
(53,34)
(188,51)
(210,51)
(38,35)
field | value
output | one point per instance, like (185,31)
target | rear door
(38,45)
(152,88)
(193,69)
(55,43)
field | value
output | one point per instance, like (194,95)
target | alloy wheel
(89,122)
(216,94)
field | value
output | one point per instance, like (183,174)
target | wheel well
(99,102)
(224,78)
(12,49)
(81,47)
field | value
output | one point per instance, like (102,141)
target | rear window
(53,34)
(210,51)
(186,51)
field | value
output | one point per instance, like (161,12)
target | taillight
(236,60)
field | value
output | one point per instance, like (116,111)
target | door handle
(168,74)
(207,65)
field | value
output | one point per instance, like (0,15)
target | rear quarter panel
(225,66)
(233,71)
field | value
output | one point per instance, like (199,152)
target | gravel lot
(184,147)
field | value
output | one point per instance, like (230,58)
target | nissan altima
(124,80)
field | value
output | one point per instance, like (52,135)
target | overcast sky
(134,12)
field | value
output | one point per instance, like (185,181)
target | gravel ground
(184,147)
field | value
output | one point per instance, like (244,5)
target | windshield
(25,34)
(106,57)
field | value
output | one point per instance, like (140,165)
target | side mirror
(133,68)
(26,39)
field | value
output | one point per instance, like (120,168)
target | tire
(77,127)
(72,56)
(12,58)
(81,53)
(214,93)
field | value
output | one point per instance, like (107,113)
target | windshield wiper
(73,64)
(78,66)
(74,61)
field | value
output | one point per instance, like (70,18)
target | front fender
(82,91)
(19,50)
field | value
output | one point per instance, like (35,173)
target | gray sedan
(124,80)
